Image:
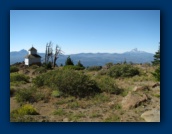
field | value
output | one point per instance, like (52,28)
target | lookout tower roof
(31,49)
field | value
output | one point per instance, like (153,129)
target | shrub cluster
(124,70)
(12,91)
(107,84)
(74,67)
(28,95)
(47,65)
(69,82)
(34,66)
(26,109)
(40,70)
(18,114)
(14,77)
(94,68)
(56,93)
(13,69)
(156,74)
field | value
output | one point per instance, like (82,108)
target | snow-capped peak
(134,50)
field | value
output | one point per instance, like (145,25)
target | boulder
(140,88)
(133,100)
(65,120)
(151,116)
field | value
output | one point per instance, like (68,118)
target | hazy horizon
(88,52)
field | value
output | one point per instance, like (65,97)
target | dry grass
(103,107)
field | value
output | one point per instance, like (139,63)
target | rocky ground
(141,103)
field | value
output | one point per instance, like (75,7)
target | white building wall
(32,60)
(26,61)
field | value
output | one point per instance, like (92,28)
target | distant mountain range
(92,59)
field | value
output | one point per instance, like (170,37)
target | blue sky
(78,31)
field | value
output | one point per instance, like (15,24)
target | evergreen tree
(69,61)
(156,74)
(156,62)
(48,65)
(80,64)
(156,58)
(125,62)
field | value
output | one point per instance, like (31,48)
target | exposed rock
(151,116)
(133,100)
(111,104)
(66,120)
(140,88)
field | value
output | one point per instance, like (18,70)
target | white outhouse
(32,57)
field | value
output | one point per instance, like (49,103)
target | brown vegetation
(50,102)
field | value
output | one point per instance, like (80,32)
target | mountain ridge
(92,59)
(135,50)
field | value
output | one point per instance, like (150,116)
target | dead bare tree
(49,53)
(49,56)
(58,52)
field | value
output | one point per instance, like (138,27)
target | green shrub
(95,115)
(13,69)
(28,95)
(39,80)
(103,72)
(69,82)
(100,98)
(59,112)
(124,70)
(27,109)
(112,118)
(107,84)
(47,65)
(24,95)
(157,95)
(12,91)
(17,83)
(80,64)
(156,74)
(73,105)
(18,114)
(34,66)
(79,68)
(69,61)
(73,67)
(40,70)
(94,68)
(14,77)
(56,93)
(109,65)
(117,106)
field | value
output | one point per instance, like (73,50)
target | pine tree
(156,62)
(156,58)
(80,64)
(156,74)
(69,61)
